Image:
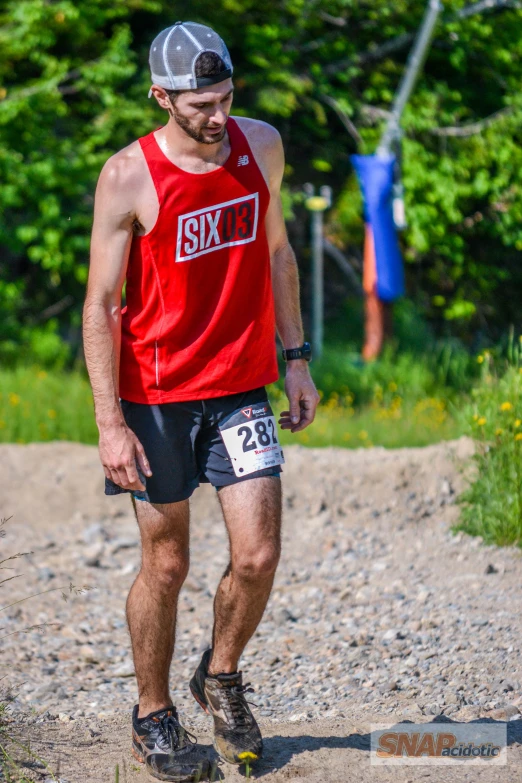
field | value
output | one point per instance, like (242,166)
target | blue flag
(375,176)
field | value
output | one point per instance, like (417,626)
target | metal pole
(317,205)
(318,286)
(413,68)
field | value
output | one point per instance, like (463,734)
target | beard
(196,133)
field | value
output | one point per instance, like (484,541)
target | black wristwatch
(304,352)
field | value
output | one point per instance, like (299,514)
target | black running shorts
(184,446)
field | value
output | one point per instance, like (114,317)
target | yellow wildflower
(52,414)
(480,359)
(499,431)
(247,755)
(363,435)
(506,406)
(518,436)
(518,422)
(481,421)
(392,386)
(14,399)
(41,374)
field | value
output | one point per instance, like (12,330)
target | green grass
(41,405)
(400,400)
(403,399)
(492,503)
(406,398)
(411,425)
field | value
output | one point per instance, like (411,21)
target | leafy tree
(73,83)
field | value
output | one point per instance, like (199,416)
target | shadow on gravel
(280,751)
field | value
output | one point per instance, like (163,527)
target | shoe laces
(237,704)
(173,733)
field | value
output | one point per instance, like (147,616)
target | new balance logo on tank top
(199,316)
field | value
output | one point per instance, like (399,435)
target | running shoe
(166,748)
(237,737)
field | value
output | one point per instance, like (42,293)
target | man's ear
(161,97)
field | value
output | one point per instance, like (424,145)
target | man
(190,216)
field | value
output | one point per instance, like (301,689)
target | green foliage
(401,400)
(405,398)
(73,82)
(388,420)
(492,504)
(64,75)
(36,405)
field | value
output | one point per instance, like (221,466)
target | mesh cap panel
(174,52)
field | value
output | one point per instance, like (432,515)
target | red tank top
(199,315)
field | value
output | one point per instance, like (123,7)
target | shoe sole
(137,755)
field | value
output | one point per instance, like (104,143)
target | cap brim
(206,81)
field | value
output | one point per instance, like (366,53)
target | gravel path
(378,613)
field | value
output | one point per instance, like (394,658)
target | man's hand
(119,450)
(302,396)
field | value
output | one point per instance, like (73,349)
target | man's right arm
(114,214)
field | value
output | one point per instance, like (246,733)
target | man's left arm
(299,386)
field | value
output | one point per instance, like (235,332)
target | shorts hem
(238,479)
(184,495)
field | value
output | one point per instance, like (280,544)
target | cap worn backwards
(174,52)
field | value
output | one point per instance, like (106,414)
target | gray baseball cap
(173,55)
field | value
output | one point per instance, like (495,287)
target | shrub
(492,504)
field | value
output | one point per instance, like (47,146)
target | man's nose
(218,117)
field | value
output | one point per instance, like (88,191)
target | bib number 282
(252,444)
(263,435)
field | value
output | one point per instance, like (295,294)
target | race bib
(250,438)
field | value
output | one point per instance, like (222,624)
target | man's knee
(256,564)
(166,573)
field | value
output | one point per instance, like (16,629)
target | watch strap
(303,352)
(293,353)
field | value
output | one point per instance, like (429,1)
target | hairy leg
(153,598)
(252,512)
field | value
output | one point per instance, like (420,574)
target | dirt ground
(53,491)
(324,751)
